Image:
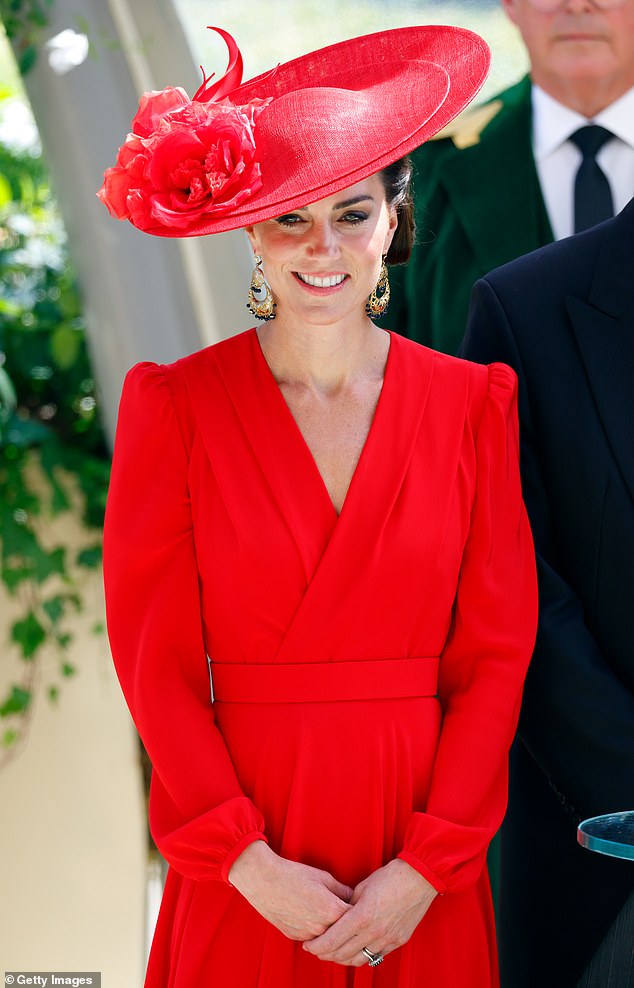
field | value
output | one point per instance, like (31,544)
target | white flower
(67,50)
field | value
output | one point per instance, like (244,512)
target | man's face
(577,43)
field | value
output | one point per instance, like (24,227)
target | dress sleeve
(484,662)
(199,817)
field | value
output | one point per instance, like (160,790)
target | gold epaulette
(465,130)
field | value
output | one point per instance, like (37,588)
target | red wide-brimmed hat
(239,153)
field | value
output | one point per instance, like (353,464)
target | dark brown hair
(396,180)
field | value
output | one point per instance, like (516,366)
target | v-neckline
(276,390)
(332,547)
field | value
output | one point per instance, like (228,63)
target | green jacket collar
(493,184)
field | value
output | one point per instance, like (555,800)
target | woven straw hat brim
(344,112)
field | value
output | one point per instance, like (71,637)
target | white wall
(72,817)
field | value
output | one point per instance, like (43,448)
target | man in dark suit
(498,182)
(563,318)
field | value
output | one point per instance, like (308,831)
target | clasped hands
(333,921)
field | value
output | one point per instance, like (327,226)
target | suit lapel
(604,329)
(494,187)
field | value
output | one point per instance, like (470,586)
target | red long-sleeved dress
(367,668)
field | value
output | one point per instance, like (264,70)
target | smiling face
(581,54)
(322,261)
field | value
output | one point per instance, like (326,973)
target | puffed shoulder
(499,419)
(502,382)
(498,379)
(499,390)
(145,385)
(148,409)
(145,382)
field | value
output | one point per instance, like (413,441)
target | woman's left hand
(386,909)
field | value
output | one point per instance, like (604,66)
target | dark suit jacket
(476,207)
(563,317)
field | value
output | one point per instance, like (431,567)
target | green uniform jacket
(477,206)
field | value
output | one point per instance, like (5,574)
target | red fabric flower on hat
(184,161)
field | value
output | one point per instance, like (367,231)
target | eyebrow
(352,202)
(345,204)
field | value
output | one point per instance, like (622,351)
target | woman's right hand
(301,901)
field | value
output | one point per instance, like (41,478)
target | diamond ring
(373,959)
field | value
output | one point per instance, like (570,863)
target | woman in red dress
(319,573)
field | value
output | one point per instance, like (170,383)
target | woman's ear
(391,229)
(250,232)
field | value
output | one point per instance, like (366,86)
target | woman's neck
(323,358)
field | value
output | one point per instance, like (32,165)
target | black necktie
(593,196)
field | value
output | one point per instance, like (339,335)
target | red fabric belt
(303,682)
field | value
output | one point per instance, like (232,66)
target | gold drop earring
(380,298)
(260,297)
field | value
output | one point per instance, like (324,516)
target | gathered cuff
(449,855)
(205,847)
(423,870)
(236,851)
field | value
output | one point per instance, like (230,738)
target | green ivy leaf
(19,541)
(13,576)
(9,738)
(16,702)
(24,558)
(49,563)
(54,608)
(28,634)
(68,670)
(90,557)
(59,499)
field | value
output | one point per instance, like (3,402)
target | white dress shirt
(557,159)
